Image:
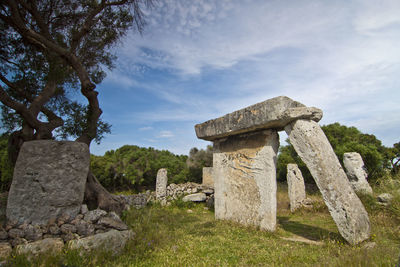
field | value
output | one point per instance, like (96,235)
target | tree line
(135,168)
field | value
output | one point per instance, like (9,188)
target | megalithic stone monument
(244,165)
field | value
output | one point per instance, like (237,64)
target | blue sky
(198,60)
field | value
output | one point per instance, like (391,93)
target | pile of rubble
(87,224)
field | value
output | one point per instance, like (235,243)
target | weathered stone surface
(84,209)
(198,197)
(5,250)
(68,228)
(208,176)
(113,223)
(3,235)
(94,215)
(345,207)
(85,229)
(161,183)
(111,241)
(356,172)
(274,113)
(14,233)
(49,180)
(245,178)
(48,245)
(385,199)
(54,229)
(33,233)
(296,187)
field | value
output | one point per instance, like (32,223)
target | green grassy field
(188,235)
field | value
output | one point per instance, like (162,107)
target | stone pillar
(356,173)
(245,178)
(345,207)
(296,187)
(49,181)
(208,176)
(161,184)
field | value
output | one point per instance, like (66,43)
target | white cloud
(146,128)
(165,134)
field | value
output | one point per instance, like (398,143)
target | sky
(199,60)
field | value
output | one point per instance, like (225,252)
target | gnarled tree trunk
(96,196)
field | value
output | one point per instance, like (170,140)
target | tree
(197,160)
(48,49)
(394,158)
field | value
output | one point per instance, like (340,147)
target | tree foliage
(199,158)
(135,168)
(50,48)
(343,139)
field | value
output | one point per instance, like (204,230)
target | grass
(185,234)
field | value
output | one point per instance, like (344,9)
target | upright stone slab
(296,187)
(245,178)
(345,207)
(161,184)
(356,173)
(208,176)
(49,180)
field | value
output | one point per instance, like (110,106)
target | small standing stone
(356,173)
(296,187)
(161,184)
(208,176)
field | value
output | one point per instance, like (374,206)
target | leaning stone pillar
(345,207)
(296,187)
(245,178)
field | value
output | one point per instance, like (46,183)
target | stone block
(274,113)
(198,197)
(161,183)
(355,170)
(49,180)
(44,246)
(245,178)
(296,187)
(345,207)
(112,240)
(208,176)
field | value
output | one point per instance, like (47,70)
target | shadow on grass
(308,231)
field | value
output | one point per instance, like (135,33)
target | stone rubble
(33,239)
